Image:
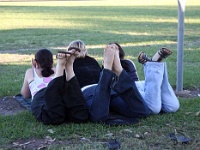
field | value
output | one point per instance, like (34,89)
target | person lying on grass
(163,100)
(114,83)
(155,89)
(56,94)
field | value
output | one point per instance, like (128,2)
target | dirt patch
(9,106)
(188,94)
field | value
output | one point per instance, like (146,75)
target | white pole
(180,45)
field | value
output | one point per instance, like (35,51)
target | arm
(25,91)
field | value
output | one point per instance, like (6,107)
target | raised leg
(128,91)
(170,103)
(99,109)
(74,102)
(153,79)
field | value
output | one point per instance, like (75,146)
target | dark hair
(121,51)
(44,58)
(124,64)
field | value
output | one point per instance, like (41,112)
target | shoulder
(86,59)
(29,71)
(128,61)
(29,74)
(128,65)
(90,58)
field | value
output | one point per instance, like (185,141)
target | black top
(87,70)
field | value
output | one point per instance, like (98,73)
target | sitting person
(55,92)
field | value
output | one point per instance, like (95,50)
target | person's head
(81,45)
(44,61)
(121,51)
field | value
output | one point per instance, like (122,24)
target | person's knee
(172,108)
(176,107)
(155,110)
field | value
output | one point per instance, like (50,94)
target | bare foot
(69,65)
(109,53)
(117,67)
(61,61)
(72,57)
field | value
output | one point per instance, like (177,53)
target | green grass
(137,25)
(154,131)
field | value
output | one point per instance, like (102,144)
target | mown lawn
(138,26)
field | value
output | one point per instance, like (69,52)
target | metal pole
(180,45)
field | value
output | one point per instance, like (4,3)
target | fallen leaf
(85,139)
(167,124)
(109,134)
(187,113)
(128,130)
(139,136)
(23,144)
(198,113)
(41,147)
(49,139)
(15,143)
(50,131)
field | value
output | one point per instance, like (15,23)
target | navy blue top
(128,66)
(87,70)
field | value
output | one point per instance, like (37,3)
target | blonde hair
(81,45)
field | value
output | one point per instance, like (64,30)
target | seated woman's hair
(81,45)
(44,58)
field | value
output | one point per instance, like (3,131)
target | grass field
(144,25)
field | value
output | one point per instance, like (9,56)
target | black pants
(60,102)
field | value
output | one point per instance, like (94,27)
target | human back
(41,73)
